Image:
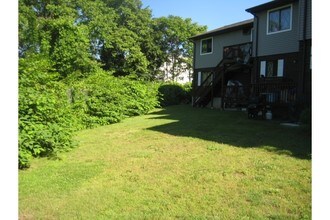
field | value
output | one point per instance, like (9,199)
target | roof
(268,5)
(225,29)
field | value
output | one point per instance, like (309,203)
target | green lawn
(180,162)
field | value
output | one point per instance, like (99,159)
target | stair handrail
(204,88)
(217,69)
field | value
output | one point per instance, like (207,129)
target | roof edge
(268,5)
(225,29)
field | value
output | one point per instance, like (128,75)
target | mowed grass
(180,162)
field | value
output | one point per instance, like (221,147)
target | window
(199,79)
(204,78)
(279,20)
(206,46)
(280,67)
(272,68)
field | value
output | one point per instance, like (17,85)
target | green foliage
(45,123)
(103,99)
(172,34)
(49,111)
(120,35)
(24,158)
(174,93)
(62,88)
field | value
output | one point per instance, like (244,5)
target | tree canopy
(173,35)
(84,63)
(118,35)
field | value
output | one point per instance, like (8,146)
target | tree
(50,28)
(173,35)
(128,47)
(119,35)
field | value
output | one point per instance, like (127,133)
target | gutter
(256,39)
(257,33)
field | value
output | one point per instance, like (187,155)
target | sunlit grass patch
(175,163)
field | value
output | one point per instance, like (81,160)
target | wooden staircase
(204,93)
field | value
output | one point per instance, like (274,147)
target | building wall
(277,43)
(219,42)
(288,46)
(183,76)
(308,19)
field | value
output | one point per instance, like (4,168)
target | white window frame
(280,67)
(263,68)
(201,46)
(199,78)
(276,9)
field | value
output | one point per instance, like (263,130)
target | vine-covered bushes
(45,119)
(103,99)
(174,93)
(51,110)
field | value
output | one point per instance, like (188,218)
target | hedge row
(51,109)
(102,99)
(174,94)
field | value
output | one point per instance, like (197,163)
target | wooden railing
(280,92)
(272,94)
(203,92)
(239,52)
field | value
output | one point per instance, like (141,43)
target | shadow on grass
(234,128)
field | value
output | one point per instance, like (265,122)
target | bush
(174,94)
(50,110)
(102,99)
(45,119)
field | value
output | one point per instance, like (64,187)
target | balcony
(273,94)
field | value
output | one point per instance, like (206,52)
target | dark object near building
(257,107)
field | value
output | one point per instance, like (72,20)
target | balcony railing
(272,93)
(281,92)
(239,52)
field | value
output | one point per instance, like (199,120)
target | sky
(212,13)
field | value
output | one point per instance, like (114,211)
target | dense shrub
(45,123)
(51,110)
(105,99)
(102,99)
(174,93)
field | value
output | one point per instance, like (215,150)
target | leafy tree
(173,35)
(50,28)
(63,44)
(128,49)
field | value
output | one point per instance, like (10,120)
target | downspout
(257,33)
(304,47)
(257,44)
(256,60)
(256,47)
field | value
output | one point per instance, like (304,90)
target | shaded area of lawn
(234,128)
(171,164)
